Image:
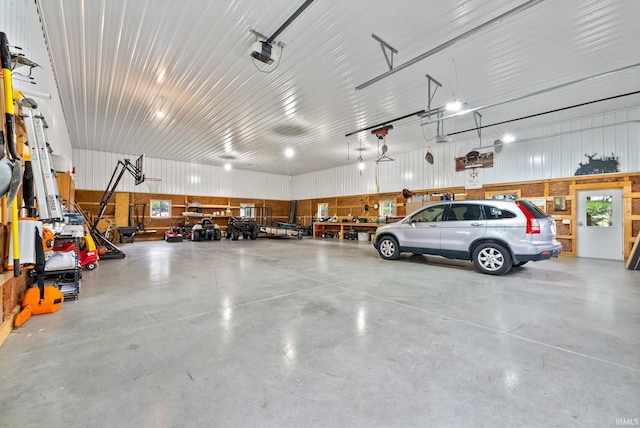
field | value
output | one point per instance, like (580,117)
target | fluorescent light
(454,106)
(289,152)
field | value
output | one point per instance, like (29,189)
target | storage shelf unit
(66,279)
(218,214)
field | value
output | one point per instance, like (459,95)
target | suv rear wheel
(491,258)
(388,248)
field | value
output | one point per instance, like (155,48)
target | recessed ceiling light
(227,166)
(289,152)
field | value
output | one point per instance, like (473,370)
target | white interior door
(600,224)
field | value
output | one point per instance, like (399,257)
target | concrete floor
(311,333)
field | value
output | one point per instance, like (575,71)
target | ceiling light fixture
(289,152)
(227,166)
(508,138)
(454,106)
(160,113)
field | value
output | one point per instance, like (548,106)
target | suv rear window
(494,213)
(532,208)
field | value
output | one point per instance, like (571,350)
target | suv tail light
(533,227)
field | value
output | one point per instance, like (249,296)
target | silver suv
(495,234)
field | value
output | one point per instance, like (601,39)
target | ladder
(44,178)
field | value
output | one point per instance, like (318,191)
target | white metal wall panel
(552,151)
(94,169)
(19,21)
(545,152)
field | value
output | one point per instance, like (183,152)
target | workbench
(339,228)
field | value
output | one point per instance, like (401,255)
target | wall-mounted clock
(376,206)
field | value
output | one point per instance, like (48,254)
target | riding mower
(173,234)
(205,229)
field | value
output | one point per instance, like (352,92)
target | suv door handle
(477,224)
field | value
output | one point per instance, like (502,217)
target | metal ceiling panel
(117,62)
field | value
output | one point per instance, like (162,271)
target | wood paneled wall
(354,205)
(219,207)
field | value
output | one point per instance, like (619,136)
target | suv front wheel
(493,259)
(388,248)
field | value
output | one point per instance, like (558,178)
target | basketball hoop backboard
(140,169)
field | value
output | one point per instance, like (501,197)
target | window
(493,213)
(462,212)
(388,208)
(247,210)
(323,210)
(432,213)
(160,208)
(600,211)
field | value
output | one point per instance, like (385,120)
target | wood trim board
(633,263)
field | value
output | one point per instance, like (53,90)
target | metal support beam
(258,34)
(547,112)
(386,46)
(477,118)
(453,41)
(419,113)
(540,92)
(289,21)
(431,94)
